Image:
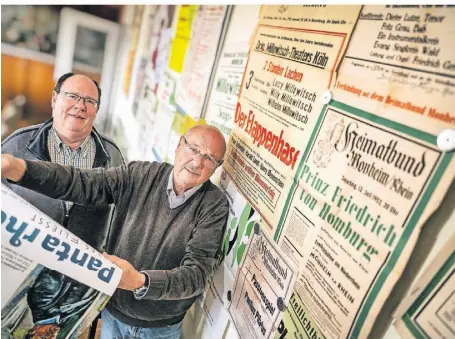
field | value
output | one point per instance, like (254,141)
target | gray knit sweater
(177,247)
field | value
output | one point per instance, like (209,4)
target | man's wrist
(141,279)
(140,292)
(21,168)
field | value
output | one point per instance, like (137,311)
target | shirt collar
(170,187)
(84,147)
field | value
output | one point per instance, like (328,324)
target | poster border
(435,283)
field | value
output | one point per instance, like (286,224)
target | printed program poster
(400,64)
(291,62)
(229,72)
(206,32)
(429,311)
(362,191)
(263,285)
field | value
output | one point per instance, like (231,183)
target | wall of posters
(292,60)
(331,115)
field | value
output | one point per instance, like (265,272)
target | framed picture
(87,44)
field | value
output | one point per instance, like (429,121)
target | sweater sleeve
(189,279)
(83,186)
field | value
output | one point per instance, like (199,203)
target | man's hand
(12,168)
(131,279)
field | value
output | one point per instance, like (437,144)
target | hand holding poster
(263,285)
(53,284)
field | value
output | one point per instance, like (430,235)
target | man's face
(191,170)
(73,118)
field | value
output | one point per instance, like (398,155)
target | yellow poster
(182,36)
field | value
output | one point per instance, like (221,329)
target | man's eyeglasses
(195,152)
(74,98)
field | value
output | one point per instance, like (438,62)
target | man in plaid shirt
(68,138)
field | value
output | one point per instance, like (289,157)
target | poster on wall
(214,301)
(162,128)
(145,131)
(138,11)
(292,60)
(143,49)
(263,285)
(182,36)
(160,44)
(297,323)
(224,92)
(400,65)
(166,88)
(157,34)
(429,310)
(206,32)
(354,213)
(241,220)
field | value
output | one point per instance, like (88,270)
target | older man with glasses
(166,233)
(68,138)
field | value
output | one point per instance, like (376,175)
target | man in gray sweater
(166,232)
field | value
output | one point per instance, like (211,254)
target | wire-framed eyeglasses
(207,160)
(74,98)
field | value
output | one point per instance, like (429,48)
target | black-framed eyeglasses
(74,98)
(207,160)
